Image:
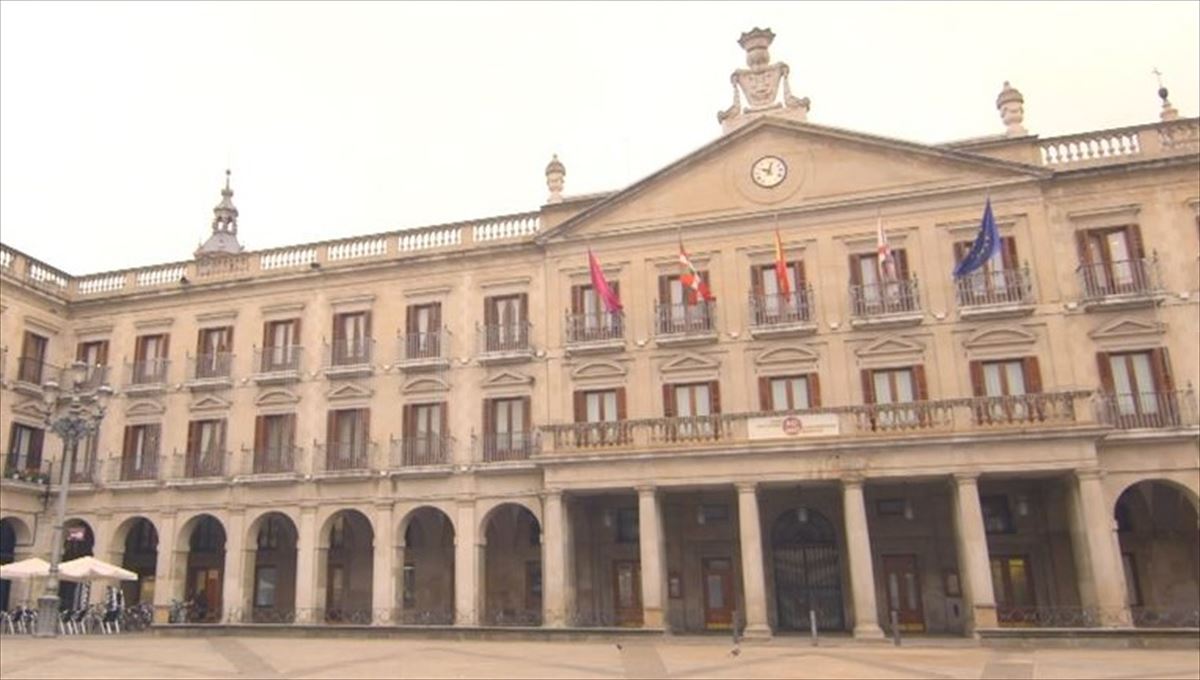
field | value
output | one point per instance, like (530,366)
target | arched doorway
(273,569)
(140,557)
(513,567)
(78,541)
(1157,528)
(349,567)
(426,588)
(808,575)
(11,530)
(205,569)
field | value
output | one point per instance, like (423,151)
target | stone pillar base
(652,618)
(757,633)
(868,632)
(985,616)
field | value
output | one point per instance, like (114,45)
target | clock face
(768,171)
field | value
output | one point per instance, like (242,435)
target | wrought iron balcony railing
(214,366)
(1158,410)
(1126,278)
(340,456)
(203,464)
(135,467)
(776,310)
(423,449)
(348,353)
(148,372)
(95,376)
(24,467)
(428,346)
(35,371)
(685,319)
(281,359)
(509,446)
(505,337)
(594,327)
(1006,287)
(883,299)
(272,460)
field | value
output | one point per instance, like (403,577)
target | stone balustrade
(1117,145)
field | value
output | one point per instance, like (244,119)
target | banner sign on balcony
(794,427)
(76,534)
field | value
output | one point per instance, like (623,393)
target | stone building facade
(443,425)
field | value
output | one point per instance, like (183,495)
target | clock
(768,172)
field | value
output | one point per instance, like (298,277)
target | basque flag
(985,246)
(691,279)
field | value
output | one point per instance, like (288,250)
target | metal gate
(807,573)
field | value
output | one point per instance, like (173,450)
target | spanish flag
(781,270)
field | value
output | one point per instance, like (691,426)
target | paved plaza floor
(143,656)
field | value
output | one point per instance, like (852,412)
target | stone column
(232,599)
(754,584)
(306,565)
(556,545)
(165,585)
(1101,577)
(383,573)
(653,559)
(468,564)
(858,550)
(975,574)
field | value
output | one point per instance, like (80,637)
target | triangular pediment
(1126,327)
(277,397)
(32,408)
(145,408)
(427,383)
(890,346)
(825,166)
(598,369)
(999,336)
(508,379)
(689,361)
(786,356)
(349,390)
(210,402)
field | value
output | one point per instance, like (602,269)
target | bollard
(812,624)
(895,628)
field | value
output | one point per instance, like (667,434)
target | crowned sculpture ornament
(760,84)
(555,173)
(1011,105)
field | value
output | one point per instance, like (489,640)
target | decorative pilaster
(306,564)
(858,550)
(754,586)
(383,586)
(653,559)
(468,567)
(973,560)
(232,599)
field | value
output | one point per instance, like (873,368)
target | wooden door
(903,584)
(627,592)
(717,574)
(206,586)
(1012,582)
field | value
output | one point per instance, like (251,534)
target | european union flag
(984,247)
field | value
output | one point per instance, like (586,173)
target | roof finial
(1168,112)
(1011,104)
(223,240)
(555,172)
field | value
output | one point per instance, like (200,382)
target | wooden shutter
(868,386)
(330,429)
(1081,244)
(127,444)
(410,320)
(200,342)
(1008,252)
(523,307)
(296,332)
(364,427)
(856,270)
(339,334)
(577,299)
(800,280)
(765,401)
(708,283)
(1033,375)
(139,349)
(978,388)
(664,289)
(489,418)
(922,388)
(814,390)
(756,280)
(580,406)
(714,396)
(1161,365)
(901,263)
(164,348)
(435,317)
(26,345)
(267,341)
(1136,248)
(621,412)
(668,401)
(366,329)
(221,430)
(526,404)
(960,250)
(260,434)
(37,437)
(153,438)
(1105,371)
(444,407)
(289,422)
(490,313)
(193,437)
(80,348)
(406,420)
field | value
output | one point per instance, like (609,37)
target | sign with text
(794,427)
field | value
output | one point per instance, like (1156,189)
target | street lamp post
(73,414)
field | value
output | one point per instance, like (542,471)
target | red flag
(612,303)
(781,270)
(691,279)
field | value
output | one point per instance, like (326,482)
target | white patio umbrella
(89,568)
(34,567)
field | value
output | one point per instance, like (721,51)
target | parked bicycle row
(96,619)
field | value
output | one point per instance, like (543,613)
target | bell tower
(223,240)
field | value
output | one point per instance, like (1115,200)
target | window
(212,352)
(681,309)
(997,518)
(628,530)
(410,586)
(709,513)
(589,320)
(426,430)
(265,578)
(274,438)
(533,585)
(770,305)
(1141,389)
(996,281)
(789,392)
(504,319)
(1112,261)
(1133,590)
(693,404)
(347,438)
(423,327)
(887,388)
(268,536)
(150,358)
(873,293)
(33,358)
(25,448)
(351,338)
(83,463)
(205,447)
(890,507)
(139,459)
(280,345)
(95,355)
(1005,384)
(603,409)
(506,424)
(337,532)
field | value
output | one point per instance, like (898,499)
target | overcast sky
(117,120)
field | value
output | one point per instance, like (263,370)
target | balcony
(995,294)
(422,451)
(1120,284)
(505,343)
(594,332)
(684,324)
(894,303)
(1149,410)
(777,316)
(272,465)
(423,351)
(32,373)
(349,358)
(509,446)
(133,471)
(210,371)
(25,470)
(278,365)
(200,469)
(94,376)
(84,469)
(345,461)
(147,376)
(979,415)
